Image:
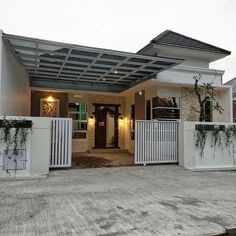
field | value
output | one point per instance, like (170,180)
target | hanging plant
(221,136)
(19,138)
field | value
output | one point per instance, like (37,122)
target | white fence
(61,142)
(156,142)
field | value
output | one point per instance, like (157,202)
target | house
(105,91)
(232,83)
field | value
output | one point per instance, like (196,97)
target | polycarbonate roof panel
(56,64)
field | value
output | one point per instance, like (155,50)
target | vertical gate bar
(168,147)
(171,142)
(52,140)
(135,142)
(56,146)
(176,140)
(66,141)
(70,142)
(143,144)
(151,141)
(139,141)
(156,143)
(63,142)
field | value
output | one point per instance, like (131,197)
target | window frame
(77,122)
(166,108)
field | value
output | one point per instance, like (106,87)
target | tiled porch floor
(96,160)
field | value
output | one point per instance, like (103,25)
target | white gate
(156,142)
(61,142)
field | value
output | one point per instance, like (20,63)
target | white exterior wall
(14,84)
(184,75)
(213,158)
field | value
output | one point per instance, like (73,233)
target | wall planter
(13,136)
(205,146)
(24,146)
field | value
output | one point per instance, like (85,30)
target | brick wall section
(105,99)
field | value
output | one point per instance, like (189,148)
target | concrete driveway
(152,200)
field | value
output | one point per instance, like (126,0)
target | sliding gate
(61,142)
(156,142)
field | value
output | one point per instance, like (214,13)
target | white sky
(125,25)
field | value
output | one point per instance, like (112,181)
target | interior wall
(14,84)
(37,95)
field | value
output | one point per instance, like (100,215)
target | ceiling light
(104,79)
(115,71)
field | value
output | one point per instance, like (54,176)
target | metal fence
(61,142)
(156,142)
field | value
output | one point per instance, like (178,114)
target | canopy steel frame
(109,70)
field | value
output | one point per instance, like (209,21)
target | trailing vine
(19,138)
(221,136)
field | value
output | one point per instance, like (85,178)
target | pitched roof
(172,38)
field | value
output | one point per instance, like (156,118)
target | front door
(106,126)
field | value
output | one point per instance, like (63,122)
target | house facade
(106,91)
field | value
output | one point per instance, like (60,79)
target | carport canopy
(68,66)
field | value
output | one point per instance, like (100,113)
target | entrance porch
(102,159)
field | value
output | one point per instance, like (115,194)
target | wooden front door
(101,112)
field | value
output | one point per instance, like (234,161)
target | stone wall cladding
(188,100)
(105,99)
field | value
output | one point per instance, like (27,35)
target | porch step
(107,150)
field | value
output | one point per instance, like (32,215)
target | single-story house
(106,91)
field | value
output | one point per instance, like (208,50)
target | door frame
(117,114)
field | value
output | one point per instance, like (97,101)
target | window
(208,111)
(132,122)
(148,110)
(165,108)
(79,115)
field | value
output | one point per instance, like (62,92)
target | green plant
(205,96)
(19,138)
(221,136)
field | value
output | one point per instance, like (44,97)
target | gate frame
(155,160)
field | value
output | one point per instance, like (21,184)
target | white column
(230,91)
(1,32)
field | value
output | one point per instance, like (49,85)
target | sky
(125,25)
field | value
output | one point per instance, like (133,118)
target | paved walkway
(152,200)
(97,160)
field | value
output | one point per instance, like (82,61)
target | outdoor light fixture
(140,93)
(104,79)
(50,99)
(115,71)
